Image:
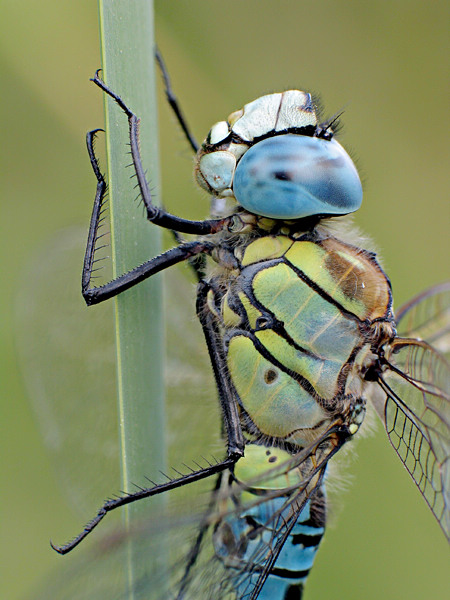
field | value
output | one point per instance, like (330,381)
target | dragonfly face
(299,325)
(276,161)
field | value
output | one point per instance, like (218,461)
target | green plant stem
(127,46)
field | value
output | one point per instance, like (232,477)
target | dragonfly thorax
(299,318)
(274,160)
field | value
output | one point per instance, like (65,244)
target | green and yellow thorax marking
(295,317)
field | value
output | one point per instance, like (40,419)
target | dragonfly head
(276,161)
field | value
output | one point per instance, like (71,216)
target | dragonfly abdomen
(262,539)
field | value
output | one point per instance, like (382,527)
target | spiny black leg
(197,263)
(155,265)
(181,253)
(154,213)
(96,212)
(144,493)
(227,394)
(172,100)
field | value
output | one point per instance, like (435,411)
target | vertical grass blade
(127,45)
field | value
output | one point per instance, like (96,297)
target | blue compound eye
(294,176)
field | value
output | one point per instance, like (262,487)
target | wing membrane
(68,355)
(258,530)
(427,317)
(417,420)
(176,557)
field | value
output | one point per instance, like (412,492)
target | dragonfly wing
(68,359)
(264,536)
(416,415)
(427,317)
(67,354)
(219,554)
(169,562)
(102,570)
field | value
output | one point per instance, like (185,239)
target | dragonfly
(301,334)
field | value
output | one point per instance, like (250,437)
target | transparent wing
(416,415)
(175,557)
(101,570)
(68,355)
(427,317)
(248,540)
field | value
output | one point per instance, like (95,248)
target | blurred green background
(385,62)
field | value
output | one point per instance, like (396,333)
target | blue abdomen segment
(295,176)
(264,508)
(256,536)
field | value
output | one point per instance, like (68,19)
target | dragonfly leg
(197,263)
(144,493)
(227,395)
(156,214)
(94,295)
(173,102)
